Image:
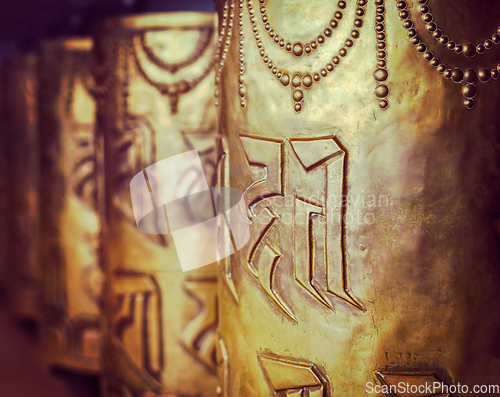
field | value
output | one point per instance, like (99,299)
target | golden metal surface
(373,254)
(21,161)
(155,81)
(69,224)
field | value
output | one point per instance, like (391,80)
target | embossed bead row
(469,49)
(241,78)
(457,75)
(381,74)
(226,31)
(298,81)
(298,49)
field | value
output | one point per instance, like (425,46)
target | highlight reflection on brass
(154,83)
(21,176)
(69,225)
(373,253)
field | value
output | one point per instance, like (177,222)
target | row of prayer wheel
(368,155)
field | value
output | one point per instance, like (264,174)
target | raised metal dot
(401,5)
(285,79)
(441,68)
(288,47)
(437,33)
(358,22)
(380,36)
(341,4)
(412,32)
(279,74)
(428,55)
(336,60)
(415,40)
(484,75)
(298,49)
(496,38)
(379,2)
(328,32)
(421,48)
(469,91)
(480,48)
(448,73)
(380,18)
(330,67)
(470,75)
(343,52)
(379,27)
(242,91)
(349,43)
(435,62)
(431,27)
(459,48)
(380,75)
(267,26)
(404,14)
(316,77)
(323,72)
(338,15)
(266,59)
(495,74)
(381,54)
(408,24)
(381,63)
(457,75)
(362,3)
(314,45)
(297,107)
(298,95)
(488,44)
(307,49)
(424,9)
(355,34)
(381,91)
(333,24)
(380,45)
(296,80)
(469,50)
(444,40)
(272,33)
(383,104)
(451,45)
(321,39)
(427,18)
(469,103)
(380,10)
(360,12)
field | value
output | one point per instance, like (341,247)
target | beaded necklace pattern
(300,82)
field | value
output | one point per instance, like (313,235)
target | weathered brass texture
(21,172)
(373,254)
(154,75)
(69,224)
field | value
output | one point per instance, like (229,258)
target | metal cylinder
(21,177)
(367,148)
(154,76)
(69,224)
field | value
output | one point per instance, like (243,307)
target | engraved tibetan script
(295,204)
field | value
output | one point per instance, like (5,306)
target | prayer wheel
(69,223)
(155,81)
(21,263)
(365,137)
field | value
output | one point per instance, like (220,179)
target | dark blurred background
(22,23)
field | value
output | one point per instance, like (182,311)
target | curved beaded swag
(301,81)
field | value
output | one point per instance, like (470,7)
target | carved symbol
(138,323)
(222,369)
(84,172)
(312,173)
(293,378)
(416,380)
(199,337)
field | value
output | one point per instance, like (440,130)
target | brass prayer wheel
(155,81)
(21,196)
(365,137)
(69,224)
